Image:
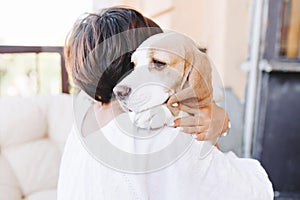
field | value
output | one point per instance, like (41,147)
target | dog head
(163,65)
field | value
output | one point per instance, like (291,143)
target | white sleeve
(245,176)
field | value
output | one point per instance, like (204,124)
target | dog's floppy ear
(199,78)
(197,91)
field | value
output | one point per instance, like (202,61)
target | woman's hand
(207,122)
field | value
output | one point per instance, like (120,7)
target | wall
(221,26)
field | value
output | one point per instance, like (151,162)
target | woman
(93,30)
(81,176)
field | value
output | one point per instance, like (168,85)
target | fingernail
(175,104)
(175,124)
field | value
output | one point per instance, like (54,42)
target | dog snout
(122,91)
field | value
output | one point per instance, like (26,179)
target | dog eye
(159,64)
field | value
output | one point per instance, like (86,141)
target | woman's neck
(106,112)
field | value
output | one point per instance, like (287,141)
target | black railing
(42,49)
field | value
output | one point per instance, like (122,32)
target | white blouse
(101,166)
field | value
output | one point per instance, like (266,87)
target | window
(282,41)
(26,71)
(290,29)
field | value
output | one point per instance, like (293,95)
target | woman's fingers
(207,122)
(205,136)
(188,105)
(195,129)
(188,109)
(176,101)
(198,120)
(201,137)
(174,105)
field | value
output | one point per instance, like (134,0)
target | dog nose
(122,91)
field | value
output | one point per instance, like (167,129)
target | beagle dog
(164,64)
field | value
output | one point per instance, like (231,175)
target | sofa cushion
(43,195)
(9,185)
(32,135)
(35,164)
(21,120)
(60,117)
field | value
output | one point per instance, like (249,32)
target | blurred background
(254,44)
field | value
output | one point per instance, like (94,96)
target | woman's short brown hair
(99,47)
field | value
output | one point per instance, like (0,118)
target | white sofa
(32,135)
